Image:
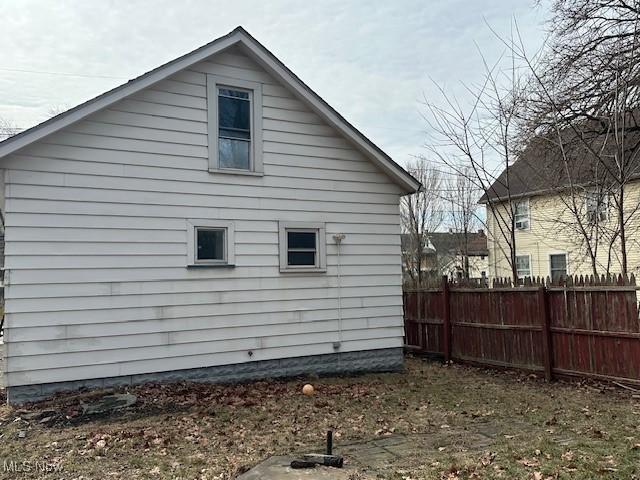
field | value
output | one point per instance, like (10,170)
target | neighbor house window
(302,247)
(210,243)
(558,266)
(521,214)
(234,126)
(523,266)
(597,206)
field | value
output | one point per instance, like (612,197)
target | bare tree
(7,129)
(57,109)
(421,213)
(462,195)
(584,102)
(480,142)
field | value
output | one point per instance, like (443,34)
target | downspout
(338,238)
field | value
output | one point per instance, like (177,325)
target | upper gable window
(234,126)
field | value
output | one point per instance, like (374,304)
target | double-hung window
(234,116)
(523,266)
(302,247)
(234,128)
(210,243)
(558,266)
(597,205)
(521,214)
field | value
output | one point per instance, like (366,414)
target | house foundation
(382,360)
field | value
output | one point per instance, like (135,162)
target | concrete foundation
(383,360)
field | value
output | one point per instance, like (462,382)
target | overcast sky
(371,60)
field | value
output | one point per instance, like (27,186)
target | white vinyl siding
(97,242)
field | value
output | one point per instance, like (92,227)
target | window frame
(566,262)
(589,195)
(528,215)
(522,277)
(214,83)
(321,246)
(192,243)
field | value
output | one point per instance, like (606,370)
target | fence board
(581,327)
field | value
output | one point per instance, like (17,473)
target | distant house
(447,253)
(212,219)
(549,189)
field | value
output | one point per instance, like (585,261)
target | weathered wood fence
(577,327)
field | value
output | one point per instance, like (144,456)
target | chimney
(451,230)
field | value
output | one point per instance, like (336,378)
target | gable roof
(260,54)
(450,243)
(543,167)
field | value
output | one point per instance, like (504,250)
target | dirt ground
(431,422)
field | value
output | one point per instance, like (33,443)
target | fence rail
(579,327)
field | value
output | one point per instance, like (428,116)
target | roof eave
(401,177)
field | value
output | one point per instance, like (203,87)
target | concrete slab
(277,468)
(376,454)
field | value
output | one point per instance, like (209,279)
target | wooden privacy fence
(579,327)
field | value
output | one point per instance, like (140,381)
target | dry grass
(191,431)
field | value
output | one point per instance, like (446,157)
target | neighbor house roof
(260,54)
(547,164)
(451,242)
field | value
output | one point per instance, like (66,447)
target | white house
(212,219)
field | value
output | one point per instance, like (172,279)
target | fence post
(543,305)
(447,319)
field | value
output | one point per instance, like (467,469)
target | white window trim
(193,225)
(321,246)
(524,200)
(566,255)
(255,162)
(530,269)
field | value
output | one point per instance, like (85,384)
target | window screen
(234,129)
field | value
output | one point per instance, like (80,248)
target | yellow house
(563,215)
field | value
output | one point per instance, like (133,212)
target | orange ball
(308,389)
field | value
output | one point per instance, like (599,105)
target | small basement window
(234,117)
(302,247)
(210,243)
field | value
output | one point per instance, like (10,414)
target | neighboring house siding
(96,240)
(552,232)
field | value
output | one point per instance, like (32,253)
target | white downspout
(338,238)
